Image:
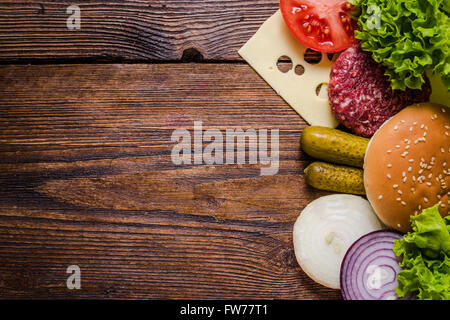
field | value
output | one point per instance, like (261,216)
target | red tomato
(322,25)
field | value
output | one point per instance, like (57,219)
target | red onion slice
(369,269)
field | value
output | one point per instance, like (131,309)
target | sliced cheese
(274,40)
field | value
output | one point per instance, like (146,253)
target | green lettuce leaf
(425,257)
(408,37)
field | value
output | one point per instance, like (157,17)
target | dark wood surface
(86,176)
(130,30)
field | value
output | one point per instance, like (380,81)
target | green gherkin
(331,177)
(334,146)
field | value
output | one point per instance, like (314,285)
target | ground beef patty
(360,94)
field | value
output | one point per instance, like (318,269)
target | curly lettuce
(425,257)
(408,37)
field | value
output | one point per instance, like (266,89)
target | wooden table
(86,176)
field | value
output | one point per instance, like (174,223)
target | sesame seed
(403,203)
(380,197)
(388,175)
(395,186)
(399,191)
(389,165)
(425,199)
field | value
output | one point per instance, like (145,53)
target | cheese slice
(274,40)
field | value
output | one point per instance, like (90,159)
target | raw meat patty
(360,94)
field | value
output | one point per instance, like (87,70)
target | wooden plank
(86,178)
(130,30)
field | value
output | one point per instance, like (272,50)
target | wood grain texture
(130,30)
(86,178)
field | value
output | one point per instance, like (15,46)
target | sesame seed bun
(407,165)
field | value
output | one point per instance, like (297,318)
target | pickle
(336,178)
(334,146)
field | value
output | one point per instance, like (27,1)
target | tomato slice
(322,25)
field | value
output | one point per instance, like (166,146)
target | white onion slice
(325,230)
